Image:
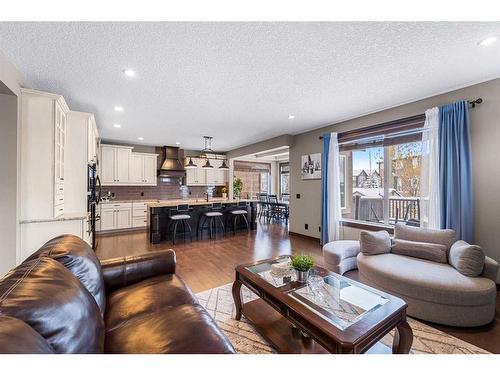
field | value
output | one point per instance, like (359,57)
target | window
(284,178)
(254,177)
(380,175)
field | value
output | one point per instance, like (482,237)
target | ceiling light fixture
(117,126)
(190,165)
(129,73)
(291,117)
(118,108)
(207,165)
(488,41)
(140,138)
(224,165)
(178,143)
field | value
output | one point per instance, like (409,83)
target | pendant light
(190,165)
(224,165)
(208,165)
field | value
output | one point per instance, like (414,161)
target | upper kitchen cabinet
(120,166)
(196,176)
(115,164)
(43,154)
(216,176)
(143,169)
(92,141)
(205,177)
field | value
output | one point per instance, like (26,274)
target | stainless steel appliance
(93,200)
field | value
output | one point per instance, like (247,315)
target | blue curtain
(324,194)
(455,169)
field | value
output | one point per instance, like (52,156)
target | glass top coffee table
(330,313)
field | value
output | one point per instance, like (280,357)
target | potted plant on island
(224,192)
(302,264)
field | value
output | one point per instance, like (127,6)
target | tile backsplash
(162,191)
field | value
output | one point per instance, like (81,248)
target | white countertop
(65,217)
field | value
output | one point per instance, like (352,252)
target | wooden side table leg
(237,298)
(403,338)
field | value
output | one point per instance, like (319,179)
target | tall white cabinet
(43,151)
(56,145)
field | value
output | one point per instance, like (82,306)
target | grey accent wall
(485,134)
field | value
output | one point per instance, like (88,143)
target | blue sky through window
(361,158)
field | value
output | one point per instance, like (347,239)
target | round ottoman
(340,256)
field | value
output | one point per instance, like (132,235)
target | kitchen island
(159,213)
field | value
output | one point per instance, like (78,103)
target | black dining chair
(181,214)
(263,206)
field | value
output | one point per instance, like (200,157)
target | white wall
(10,83)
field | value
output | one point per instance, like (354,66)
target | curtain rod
(472,103)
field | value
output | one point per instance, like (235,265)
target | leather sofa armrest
(123,271)
(490,269)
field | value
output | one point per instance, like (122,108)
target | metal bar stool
(211,217)
(180,214)
(240,211)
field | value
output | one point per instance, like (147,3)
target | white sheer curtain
(333,186)
(429,172)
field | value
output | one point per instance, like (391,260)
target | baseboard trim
(305,236)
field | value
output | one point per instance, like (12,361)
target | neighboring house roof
(374,192)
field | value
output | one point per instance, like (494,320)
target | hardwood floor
(210,263)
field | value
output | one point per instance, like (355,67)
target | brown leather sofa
(63,300)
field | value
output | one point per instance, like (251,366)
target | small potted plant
(224,192)
(302,264)
(237,187)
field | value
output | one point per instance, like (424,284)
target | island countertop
(196,202)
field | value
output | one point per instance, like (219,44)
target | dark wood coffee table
(339,316)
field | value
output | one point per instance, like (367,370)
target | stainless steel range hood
(172,165)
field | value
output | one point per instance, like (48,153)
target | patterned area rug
(245,339)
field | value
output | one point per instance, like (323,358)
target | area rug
(245,339)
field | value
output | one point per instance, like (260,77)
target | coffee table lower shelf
(285,339)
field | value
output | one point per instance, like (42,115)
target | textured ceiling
(238,82)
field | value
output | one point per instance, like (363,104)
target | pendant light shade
(207,165)
(224,165)
(190,165)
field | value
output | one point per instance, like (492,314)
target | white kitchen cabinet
(115,164)
(203,177)
(43,142)
(216,176)
(115,216)
(143,169)
(92,141)
(139,214)
(196,176)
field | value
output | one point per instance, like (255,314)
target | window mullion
(387,174)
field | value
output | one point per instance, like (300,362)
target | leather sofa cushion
(444,237)
(46,296)
(16,337)
(426,280)
(431,251)
(373,243)
(467,259)
(145,297)
(185,329)
(79,258)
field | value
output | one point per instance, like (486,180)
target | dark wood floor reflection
(207,264)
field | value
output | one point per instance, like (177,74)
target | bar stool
(211,217)
(180,214)
(240,211)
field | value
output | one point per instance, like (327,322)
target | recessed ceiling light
(488,41)
(291,117)
(117,125)
(118,108)
(177,143)
(129,72)
(140,138)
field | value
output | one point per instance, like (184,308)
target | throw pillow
(444,237)
(467,259)
(373,243)
(424,250)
